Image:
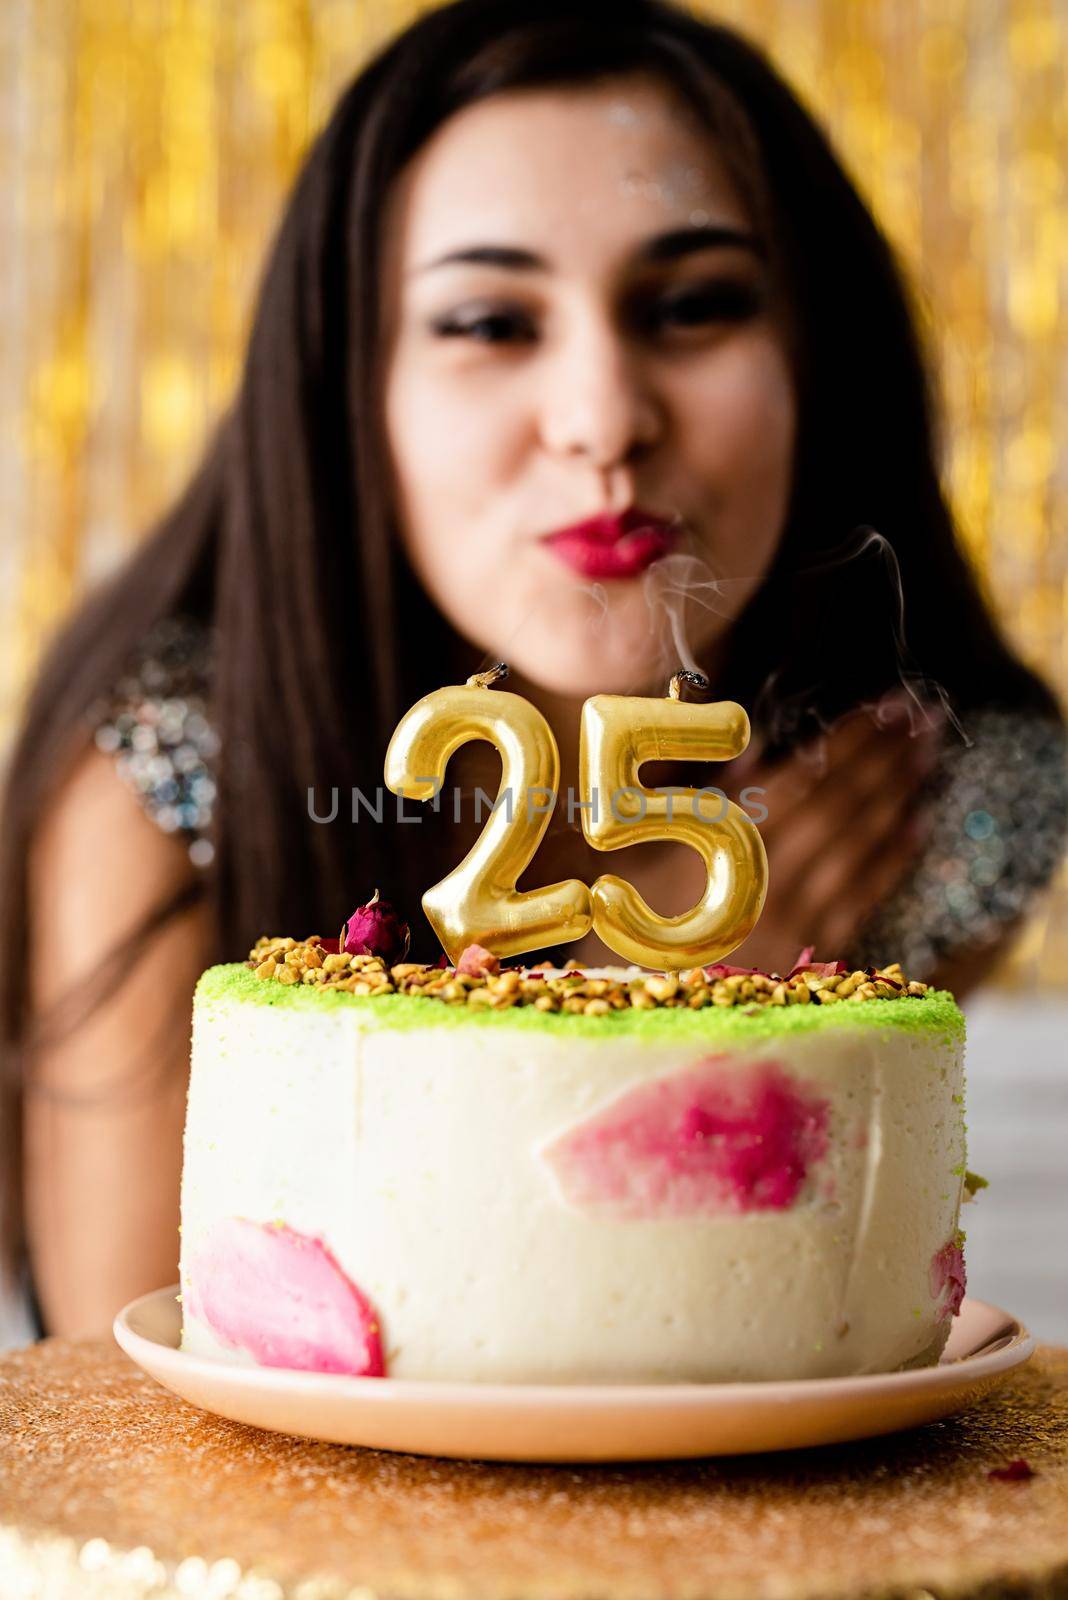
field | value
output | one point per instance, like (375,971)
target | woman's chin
(586,666)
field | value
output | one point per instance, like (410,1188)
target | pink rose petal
(804,963)
(820,969)
(1013,1471)
(478,962)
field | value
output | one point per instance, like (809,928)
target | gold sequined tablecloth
(110,1486)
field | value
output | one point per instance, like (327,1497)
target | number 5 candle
(621,732)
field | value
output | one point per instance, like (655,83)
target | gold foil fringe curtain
(145,146)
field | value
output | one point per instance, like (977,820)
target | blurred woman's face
(577,324)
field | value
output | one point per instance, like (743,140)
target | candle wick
(485,680)
(689,685)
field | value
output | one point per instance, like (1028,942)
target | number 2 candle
(478,903)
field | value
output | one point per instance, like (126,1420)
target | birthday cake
(542,1175)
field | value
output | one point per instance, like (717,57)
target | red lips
(620,546)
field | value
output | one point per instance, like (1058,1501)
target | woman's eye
(723,301)
(717,302)
(489,327)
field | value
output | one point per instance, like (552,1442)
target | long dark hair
(285,539)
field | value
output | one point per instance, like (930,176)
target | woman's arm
(105,1105)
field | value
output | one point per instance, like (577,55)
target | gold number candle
(478,903)
(621,732)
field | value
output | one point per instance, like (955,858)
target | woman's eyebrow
(662,247)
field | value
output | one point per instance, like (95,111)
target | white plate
(577,1422)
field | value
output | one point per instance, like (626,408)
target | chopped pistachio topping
(304,961)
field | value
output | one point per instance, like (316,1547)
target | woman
(567,314)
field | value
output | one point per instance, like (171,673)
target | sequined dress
(156,724)
(997,805)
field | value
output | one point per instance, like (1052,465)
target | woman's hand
(841,830)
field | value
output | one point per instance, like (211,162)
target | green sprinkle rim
(936,1012)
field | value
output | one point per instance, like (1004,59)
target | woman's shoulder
(155,724)
(103,858)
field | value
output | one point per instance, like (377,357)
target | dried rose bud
(331,946)
(477,962)
(376,929)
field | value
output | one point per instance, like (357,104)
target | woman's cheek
(445,459)
(440,428)
(742,444)
(743,407)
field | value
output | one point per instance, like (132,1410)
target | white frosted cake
(555,1177)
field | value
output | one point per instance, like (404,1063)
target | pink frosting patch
(946,1276)
(712,1138)
(281,1296)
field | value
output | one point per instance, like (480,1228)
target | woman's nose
(597,402)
